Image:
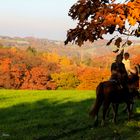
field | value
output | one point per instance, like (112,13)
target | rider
(126,62)
(118,71)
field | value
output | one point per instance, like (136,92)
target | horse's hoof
(102,123)
(114,121)
(95,124)
(124,111)
(129,119)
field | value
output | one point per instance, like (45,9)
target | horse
(109,92)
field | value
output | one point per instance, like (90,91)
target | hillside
(96,49)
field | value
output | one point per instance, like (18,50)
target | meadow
(60,115)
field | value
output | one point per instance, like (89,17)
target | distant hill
(88,50)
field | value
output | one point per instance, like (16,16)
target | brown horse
(109,92)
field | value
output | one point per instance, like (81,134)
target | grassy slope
(51,115)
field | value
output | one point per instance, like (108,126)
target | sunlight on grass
(133,124)
(138,110)
(15,97)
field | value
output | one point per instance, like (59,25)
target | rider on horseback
(115,91)
(118,71)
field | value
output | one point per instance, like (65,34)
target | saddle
(119,85)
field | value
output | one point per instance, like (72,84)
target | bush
(65,80)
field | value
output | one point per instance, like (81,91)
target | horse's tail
(99,100)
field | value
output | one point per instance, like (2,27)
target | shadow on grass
(46,120)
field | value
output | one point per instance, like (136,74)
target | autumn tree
(37,78)
(5,65)
(96,18)
(65,80)
(89,77)
(31,50)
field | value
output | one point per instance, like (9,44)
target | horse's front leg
(132,108)
(115,112)
(129,111)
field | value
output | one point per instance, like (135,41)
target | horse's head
(134,78)
(137,67)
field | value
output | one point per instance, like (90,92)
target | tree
(99,17)
(31,50)
(65,80)
(89,77)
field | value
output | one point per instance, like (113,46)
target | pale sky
(38,18)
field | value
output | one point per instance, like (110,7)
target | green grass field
(59,115)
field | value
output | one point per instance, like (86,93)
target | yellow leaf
(132,20)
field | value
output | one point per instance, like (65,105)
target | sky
(38,18)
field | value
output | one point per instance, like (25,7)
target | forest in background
(31,63)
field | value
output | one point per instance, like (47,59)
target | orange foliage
(5,64)
(53,57)
(136,60)
(134,12)
(22,71)
(19,70)
(36,78)
(90,77)
(98,17)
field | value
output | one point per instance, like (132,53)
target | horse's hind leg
(132,108)
(115,111)
(108,111)
(96,120)
(105,108)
